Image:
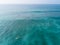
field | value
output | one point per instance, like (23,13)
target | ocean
(30,24)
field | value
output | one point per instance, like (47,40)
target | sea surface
(37,24)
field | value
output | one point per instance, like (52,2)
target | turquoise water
(30,24)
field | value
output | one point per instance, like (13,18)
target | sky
(29,1)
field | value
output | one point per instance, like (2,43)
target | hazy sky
(29,1)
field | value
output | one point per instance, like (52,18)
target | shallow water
(34,25)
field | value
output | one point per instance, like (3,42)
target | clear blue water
(30,24)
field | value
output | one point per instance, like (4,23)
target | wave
(45,11)
(38,11)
